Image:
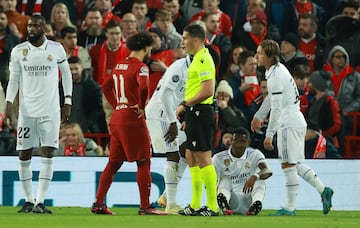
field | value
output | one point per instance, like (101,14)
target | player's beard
(35,38)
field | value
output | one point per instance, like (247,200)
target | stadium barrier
(75,182)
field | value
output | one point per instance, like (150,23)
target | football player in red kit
(127,92)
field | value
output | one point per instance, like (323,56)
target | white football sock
(45,176)
(291,185)
(25,176)
(310,176)
(170,172)
(181,168)
(258,193)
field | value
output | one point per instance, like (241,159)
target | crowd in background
(318,41)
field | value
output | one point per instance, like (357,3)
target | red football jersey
(127,86)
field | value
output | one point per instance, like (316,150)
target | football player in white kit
(34,73)
(287,121)
(241,172)
(165,129)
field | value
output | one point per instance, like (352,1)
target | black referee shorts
(200,127)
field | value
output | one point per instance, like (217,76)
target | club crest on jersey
(144,71)
(25,52)
(247,165)
(175,78)
(227,162)
(50,58)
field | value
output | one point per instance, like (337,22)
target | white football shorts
(157,130)
(291,144)
(34,130)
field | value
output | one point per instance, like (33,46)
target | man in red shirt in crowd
(127,92)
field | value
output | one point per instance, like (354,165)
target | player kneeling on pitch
(241,172)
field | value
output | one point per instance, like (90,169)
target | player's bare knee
(47,152)
(25,155)
(173,156)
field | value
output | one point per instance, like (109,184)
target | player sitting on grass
(241,172)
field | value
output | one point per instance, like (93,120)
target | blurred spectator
(139,9)
(49,31)
(312,44)
(253,6)
(105,7)
(77,10)
(245,84)
(163,20)
(69,37)
(77,145)
(350,8)
(60,19)
(178,17)
(87,106)
(344,31)
(104,56)
(300,71)
(258,33)
(257,137)
(160,59)
(16,21)
(128,27)
(217,38)
(294,10)
(236,9)
(324,108)
(233,61)
(121,7)
(224,142)
(92,32)
(7,41)
(317,146)
(191,7)
(346,84)
(228,115)
(7,136)
(275,10)
(30,7)
(289,49)
(212,6)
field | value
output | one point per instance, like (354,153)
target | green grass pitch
(127,217)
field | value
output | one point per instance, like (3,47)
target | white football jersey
(237,169)
(169,92)
(283,101)
(34,72)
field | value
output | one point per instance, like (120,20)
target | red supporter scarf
(36,9)
(257,40)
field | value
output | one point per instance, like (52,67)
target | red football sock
(106,179)
(143,179)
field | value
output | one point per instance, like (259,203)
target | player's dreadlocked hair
(139,41)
